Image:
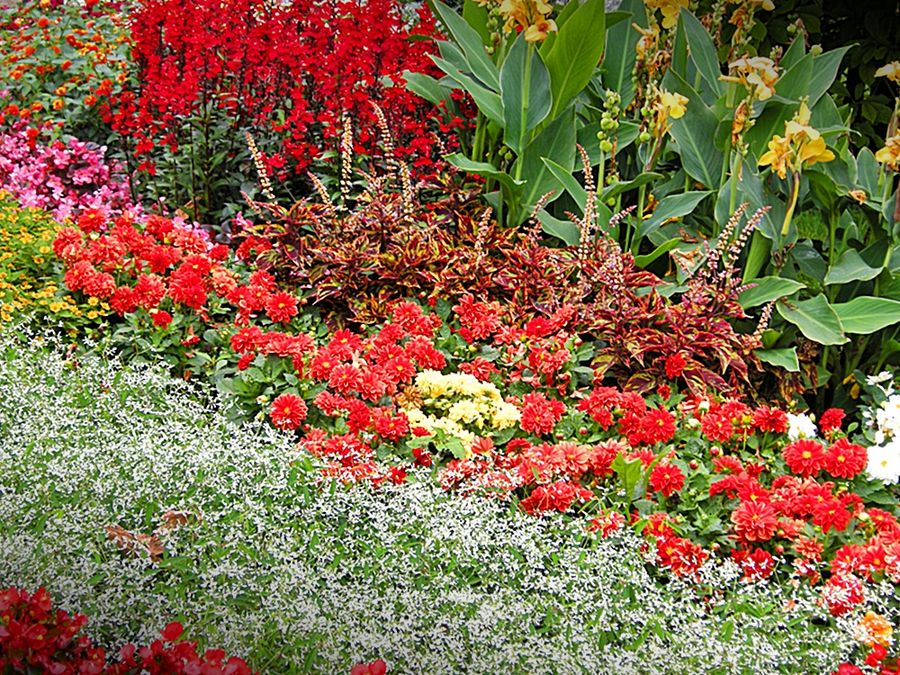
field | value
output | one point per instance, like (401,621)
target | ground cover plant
(485,336)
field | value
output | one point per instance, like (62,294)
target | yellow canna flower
(889,155)
(669,8)
(665,105)
(529,15)
(777,156)
(801,145)
(891,71)
(537,32)
(757,73)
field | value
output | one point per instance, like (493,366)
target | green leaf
(693,135)
(794,82)
(567,180)
(521,114)
(575,53)
(556,142)
(825,69)
(703,52)
(477,17)
(426,86)
(865,315)
(673,206)
(643,260)
(867,171)
(780,358)
(618,63)
(565,230)
(768,289)
(629,472)
(618,188)
(470,43)
(850,267)
(485,169)
(816,319)
(488,102)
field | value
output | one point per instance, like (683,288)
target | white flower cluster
(884,422)
(297,579)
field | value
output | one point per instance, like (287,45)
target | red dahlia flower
(666,478)
(804,457)
(845,459)
(755,521)
(288,411)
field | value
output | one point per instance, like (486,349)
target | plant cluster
(299,75)
(32,636)
(62,177)
(293,575)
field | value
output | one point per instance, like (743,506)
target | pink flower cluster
(64,178)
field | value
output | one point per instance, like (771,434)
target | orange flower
(873,629)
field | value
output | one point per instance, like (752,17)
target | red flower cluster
(35,638)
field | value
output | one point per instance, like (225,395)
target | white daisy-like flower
(800,426)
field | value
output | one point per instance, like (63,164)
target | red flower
(770,419)
(288,411)
(845,459)
(162,319)
(666,478)
(848,669)
(657,426)
(755,521)
(559,496)
(481,369)
(804,457)
(717,427)
(281,307)
(757,564)
(831,420)
(391,427)
(376,667)
(831,514)
(842,592)
(675,366)
(123,301)
(478,319)
(149,291)
(540,414)
(172,632)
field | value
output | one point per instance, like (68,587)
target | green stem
(795,194)
(478,143)
(523,113)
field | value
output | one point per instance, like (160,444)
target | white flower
(884,462)
(883,376)
(800,426)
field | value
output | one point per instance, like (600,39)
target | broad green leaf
(470,42)
(488,102)
(673,206)
(618,62)
(825,69)
(555,142)
(487,170)
(564,230)
(616,189)
(702,51)
(781,358)
(769,123)
(568,181)
(525,91)
(477,17)
(694,135)
(794,53)
(426,86)
(767,289)
(867,171)
(815,318)
(850,267)
(576,53)
(865,315)
(629,472)
(644,260)
(794,82)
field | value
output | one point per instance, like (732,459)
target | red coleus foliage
(36,638)
(297,69)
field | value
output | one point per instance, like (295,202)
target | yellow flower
(758,73)
(891,71)
(767,5)
(537,32)
(874,629)
(667,104)
(889,155)
(530,15)
(669,8)
(801,145)
(858,195)
(647,42)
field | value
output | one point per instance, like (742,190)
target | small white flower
(884,462)
(800,426)
(883,376)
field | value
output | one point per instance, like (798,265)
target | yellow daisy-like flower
(891,71)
